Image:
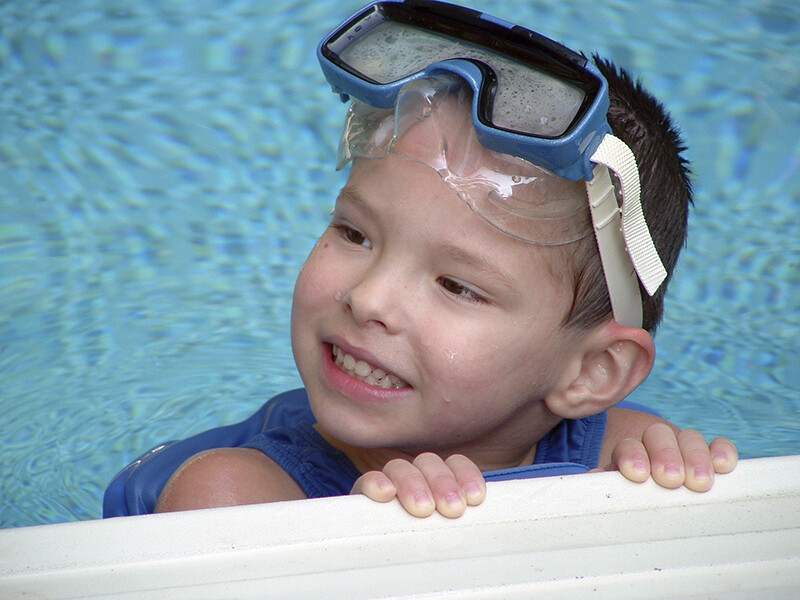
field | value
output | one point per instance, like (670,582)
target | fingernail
(639,466)
(702,473)
(473,491)
(422,499)
(454,500)
(672,470)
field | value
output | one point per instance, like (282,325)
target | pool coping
(557,537)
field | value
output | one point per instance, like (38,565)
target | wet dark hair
(638,119)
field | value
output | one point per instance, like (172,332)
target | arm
(639,445)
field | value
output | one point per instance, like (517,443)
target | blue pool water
(165,167)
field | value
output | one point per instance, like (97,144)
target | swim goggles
(532,98)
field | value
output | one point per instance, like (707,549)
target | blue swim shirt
(289,438)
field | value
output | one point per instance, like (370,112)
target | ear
(613,361)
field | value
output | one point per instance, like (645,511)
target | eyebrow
(482,263)
(351,196)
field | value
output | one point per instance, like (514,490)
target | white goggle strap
(631,256)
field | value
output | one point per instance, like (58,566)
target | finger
(724,455)
(629,457)
(412,488)
(450,499)
(696,460)
(469,477)
(376,486)
(666,462)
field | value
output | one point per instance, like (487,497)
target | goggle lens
(524,99)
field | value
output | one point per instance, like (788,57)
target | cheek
(318,273)
(468,360)
(494,359)
(313,287)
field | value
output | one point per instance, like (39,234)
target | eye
(353,236)
(460,290)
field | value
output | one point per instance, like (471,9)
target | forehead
(440,133)
(520,199)
(412,200)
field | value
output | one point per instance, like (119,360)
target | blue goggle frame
(567,155)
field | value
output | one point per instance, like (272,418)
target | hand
(674,459)
(426,485)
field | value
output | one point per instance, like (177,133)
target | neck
(487,457)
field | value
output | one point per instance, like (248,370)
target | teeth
(364,371)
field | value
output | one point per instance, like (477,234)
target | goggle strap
(615,154)
(621,279)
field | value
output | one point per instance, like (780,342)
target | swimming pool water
(166,166)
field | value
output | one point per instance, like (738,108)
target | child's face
(466,319)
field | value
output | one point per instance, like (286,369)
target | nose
(378,298)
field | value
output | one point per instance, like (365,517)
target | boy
(468,311)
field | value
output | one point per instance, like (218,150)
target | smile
(365,372)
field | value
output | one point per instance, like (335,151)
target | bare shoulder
(625,423)
(227,477)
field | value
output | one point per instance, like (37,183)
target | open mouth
(363,371)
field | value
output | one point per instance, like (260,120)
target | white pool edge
(582,536)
